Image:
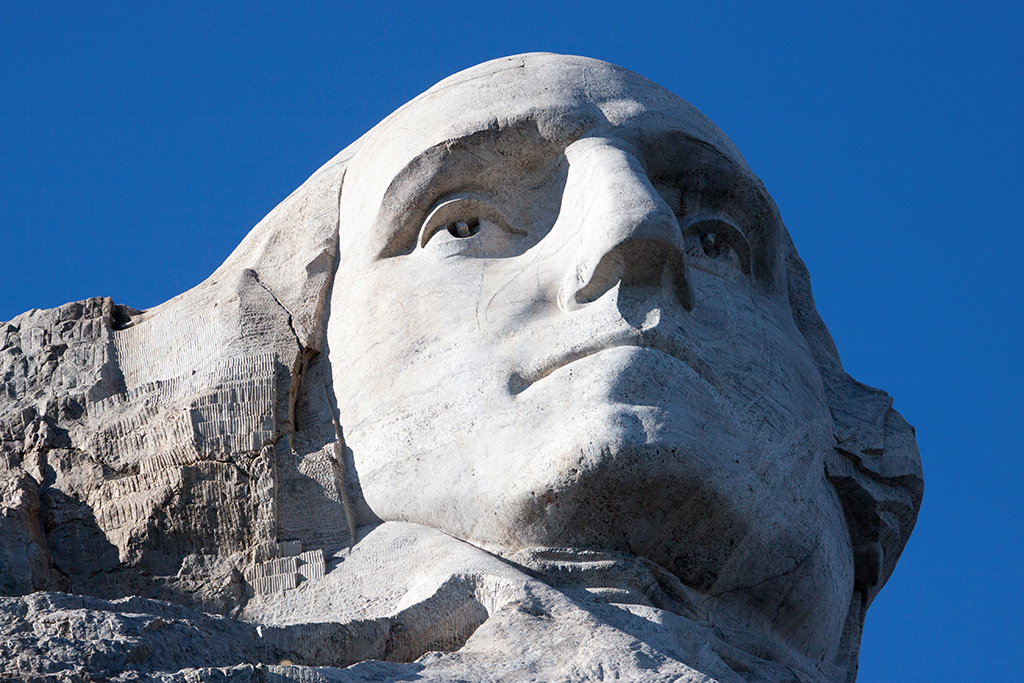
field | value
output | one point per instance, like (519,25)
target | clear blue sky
(139,145)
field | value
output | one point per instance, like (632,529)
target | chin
(646,499)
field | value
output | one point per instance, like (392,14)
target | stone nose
(626,231)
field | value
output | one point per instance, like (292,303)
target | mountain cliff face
(113,491)
(624,431)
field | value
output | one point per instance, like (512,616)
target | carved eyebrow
(685,161)
(462,164)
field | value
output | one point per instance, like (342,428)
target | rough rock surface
(525,384)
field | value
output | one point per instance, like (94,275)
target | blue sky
(139,145)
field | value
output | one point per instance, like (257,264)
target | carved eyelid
(462,206)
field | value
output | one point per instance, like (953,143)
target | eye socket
(717,238)
(462,216)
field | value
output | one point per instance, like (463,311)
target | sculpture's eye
(470,219)
(718,239)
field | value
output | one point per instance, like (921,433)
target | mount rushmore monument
(527,383)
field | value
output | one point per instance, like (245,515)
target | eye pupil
(711,243)
(464,228)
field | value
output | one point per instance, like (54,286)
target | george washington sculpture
(525,384)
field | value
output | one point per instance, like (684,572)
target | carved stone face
(561,320)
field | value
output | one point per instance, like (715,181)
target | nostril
(645,260)
(635,263)
(608,271)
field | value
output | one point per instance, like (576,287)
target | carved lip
(650,339)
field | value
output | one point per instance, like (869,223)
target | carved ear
(875,465)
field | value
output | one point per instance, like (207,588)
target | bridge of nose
(626,230)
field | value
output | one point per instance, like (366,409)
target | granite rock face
(525,384)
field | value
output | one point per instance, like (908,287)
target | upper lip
(650,338)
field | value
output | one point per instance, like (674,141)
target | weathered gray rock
(525,384)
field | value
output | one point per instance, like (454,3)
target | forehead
(511,111)
(562,94)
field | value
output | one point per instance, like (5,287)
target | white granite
(525,384)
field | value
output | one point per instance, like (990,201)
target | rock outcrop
(525,384)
